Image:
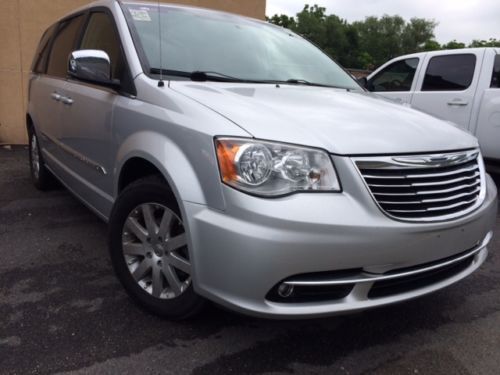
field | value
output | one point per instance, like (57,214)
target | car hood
(346,123)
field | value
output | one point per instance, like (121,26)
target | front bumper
(241,254)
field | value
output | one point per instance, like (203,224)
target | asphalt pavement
(63,311)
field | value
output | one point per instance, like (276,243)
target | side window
(63,45)
(495,79)
(449,73)
(42,52)
(101,35)
(396,77)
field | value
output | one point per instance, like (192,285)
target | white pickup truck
(461,86)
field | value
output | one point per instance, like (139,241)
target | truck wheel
(149,250)
(40,175)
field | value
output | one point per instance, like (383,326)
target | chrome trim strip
(370,278)
(435,200)
(435,208)
(437,183)
(451,173)
(436,160)
(430,192)
(85,160)
(417,161)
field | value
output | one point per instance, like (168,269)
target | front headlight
(273,169)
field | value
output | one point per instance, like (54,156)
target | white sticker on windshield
(140,15)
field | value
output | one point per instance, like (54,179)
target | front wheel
(149,250)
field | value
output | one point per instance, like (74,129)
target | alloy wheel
(154,245)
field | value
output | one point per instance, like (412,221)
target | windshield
(196,40)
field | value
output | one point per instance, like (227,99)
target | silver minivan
(237,163)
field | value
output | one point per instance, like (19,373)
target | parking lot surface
(63,311)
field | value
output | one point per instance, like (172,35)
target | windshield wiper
(304,82)
(204,76)
(200,76)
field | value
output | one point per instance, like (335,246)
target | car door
(488,119)
(447,87)
(396,81)
(49,89)
(88,116)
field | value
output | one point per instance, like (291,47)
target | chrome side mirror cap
(92,66)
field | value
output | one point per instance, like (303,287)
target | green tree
(331,33)
(283,20)
(311,24)
(417,34)
(492,42)
(431,45)
(391,36)
(453,45)
(381,37)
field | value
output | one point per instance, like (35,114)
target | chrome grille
(425,187)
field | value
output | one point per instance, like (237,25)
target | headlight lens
(273,169)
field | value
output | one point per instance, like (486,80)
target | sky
(463,20)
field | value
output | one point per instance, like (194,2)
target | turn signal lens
(226,152)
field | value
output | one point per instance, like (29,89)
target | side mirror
(92,66)
(363,82)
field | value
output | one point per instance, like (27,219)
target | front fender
(191,173)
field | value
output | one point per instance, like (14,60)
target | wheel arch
(30,125)
(134,169)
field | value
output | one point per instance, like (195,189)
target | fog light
(285,290)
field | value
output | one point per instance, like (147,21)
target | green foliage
(453,45)
(431,45)
(369,43)
(485,43)
(283,21)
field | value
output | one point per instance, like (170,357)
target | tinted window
(396,77)
(101,35)
(495,80)
(63,45)
(449,73)
(42,53)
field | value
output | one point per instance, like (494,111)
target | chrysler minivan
(235,162)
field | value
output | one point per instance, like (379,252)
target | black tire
(145,191)
(40,175)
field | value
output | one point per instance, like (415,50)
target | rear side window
(449,73)
(63,45)
(396,77)
(495,79)
(42,53)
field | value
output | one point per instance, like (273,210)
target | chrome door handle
(458,102)
(66,100)
(56,96)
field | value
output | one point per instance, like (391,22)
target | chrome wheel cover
(154,245)
(35,157)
